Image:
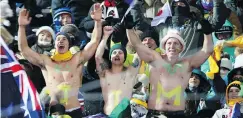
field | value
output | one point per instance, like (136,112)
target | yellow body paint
(175,92)
(65,89)
(115,95)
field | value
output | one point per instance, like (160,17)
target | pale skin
(63,72)
(169,75)
(118,81)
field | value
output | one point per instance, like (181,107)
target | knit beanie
(64,10)
(118,46)
(67,36)
(150,33)
(226,63)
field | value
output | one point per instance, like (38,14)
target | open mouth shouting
(117,59)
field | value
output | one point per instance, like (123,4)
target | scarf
(66,56)
(62,57)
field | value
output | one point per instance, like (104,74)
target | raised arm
(28,53)
(143,52)
(200,57)
(101,65)
(91,47)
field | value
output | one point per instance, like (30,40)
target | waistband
(72,109)
(156,112)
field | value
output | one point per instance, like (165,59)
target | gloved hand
(128,22)
(206,27)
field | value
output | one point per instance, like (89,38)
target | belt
(156,112)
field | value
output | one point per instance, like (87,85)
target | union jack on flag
(30,103)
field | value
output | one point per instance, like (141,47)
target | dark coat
(79,8)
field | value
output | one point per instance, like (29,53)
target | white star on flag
(162,15)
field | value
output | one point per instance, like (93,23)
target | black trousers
(168,114)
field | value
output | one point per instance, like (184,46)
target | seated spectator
(79,8)
(45,40)
(197,90)
(62,16)
(232,98)
(77,36)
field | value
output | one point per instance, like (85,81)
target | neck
(116,68)
(172,59)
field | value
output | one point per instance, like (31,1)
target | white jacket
(222,113)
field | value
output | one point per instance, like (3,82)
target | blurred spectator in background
(45,40)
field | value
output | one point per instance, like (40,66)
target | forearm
(208,44)
(96,34)
(22,42)
(101,48)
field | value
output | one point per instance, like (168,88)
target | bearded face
(44,39)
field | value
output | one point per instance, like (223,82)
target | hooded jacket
(230,50)
(193,97)
(227,110)
(79,8)
(57,23)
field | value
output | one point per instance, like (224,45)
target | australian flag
(19,98)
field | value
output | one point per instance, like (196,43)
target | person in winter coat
(45,39)
(221,37)
(112,14)
(183,21)
(236,73)
(79,8)
(233,99)
(62,17)
(79,37)
(236,6)
(197,98)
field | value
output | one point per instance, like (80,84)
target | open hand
(108,30)
(24,18)
(96,14)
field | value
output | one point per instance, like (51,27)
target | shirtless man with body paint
(116,81)
(68,73)
(169,74)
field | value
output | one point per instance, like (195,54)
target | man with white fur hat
(45,39)
(169,74)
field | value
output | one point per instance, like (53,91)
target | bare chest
(122,81)
(64,71)
(177,74)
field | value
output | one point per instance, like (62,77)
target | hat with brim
(172,34)
(234,72)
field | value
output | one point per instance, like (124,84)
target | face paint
(174,92)
(172,70)
(59,69)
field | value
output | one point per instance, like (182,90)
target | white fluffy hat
(226,63)
(46,28)
(172,34)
